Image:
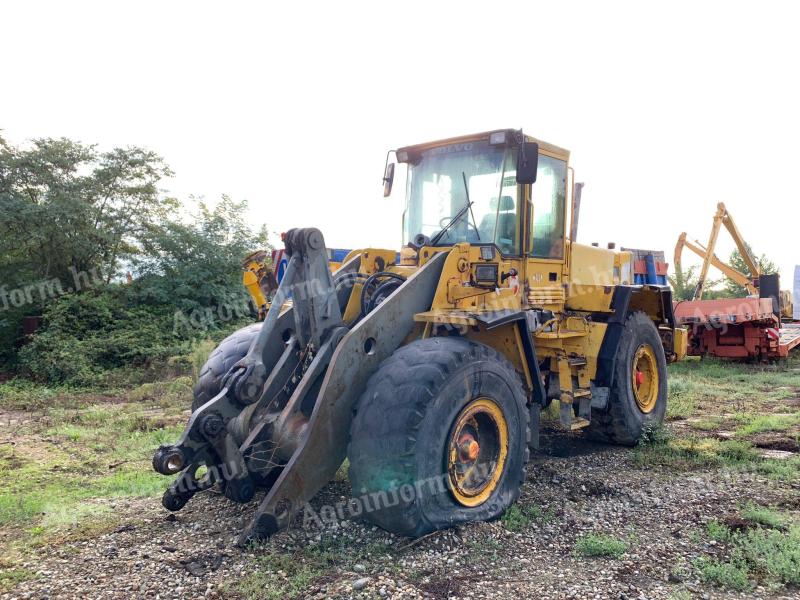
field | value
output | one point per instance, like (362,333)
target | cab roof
(547,147)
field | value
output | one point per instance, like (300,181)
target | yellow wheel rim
(644,378)
(477,451)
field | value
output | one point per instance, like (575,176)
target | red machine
(736,328)
(745,328)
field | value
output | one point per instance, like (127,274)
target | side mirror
(388,178)
(527,162)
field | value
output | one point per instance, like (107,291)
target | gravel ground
(579,488)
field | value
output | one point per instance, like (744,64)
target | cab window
(548,196)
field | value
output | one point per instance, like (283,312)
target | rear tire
(230,351)
(634,408)
(411,456)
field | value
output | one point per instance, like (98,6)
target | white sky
(667,108)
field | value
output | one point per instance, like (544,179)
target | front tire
(439,437)
(638,399)
(230,351)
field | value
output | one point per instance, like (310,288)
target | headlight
(486,274)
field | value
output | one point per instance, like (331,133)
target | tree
(683,284)
(766,266)
(196,262)
(71,215)
(186,285)
(65,207)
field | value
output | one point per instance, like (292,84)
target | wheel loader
(428,369)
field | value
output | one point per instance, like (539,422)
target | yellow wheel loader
(428,368)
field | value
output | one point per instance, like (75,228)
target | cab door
(545,244)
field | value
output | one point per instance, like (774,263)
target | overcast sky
(667,108)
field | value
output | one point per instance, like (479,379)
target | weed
(773,554)
(681,399)
(519,517)
(483,549)
(765,516)
(733,575)
(594,544)
(717,531)
(767,554)
(199,355)
(655,435)
(342,473)
(277,576)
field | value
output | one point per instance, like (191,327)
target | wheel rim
(477,451)
(644,378)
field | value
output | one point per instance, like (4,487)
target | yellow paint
(680,342)
(645,378)
(481,422)
(577,289)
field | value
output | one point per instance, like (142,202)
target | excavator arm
(722,217)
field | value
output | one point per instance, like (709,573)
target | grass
(69,463)
(717,531)
(273,574)
(276,576)
(707,424)
(761,423)
(681,399)
(768,552)
(520,517)
(766,516)
(692,452)
(732,575)
(9,578)
(21,394)
(594,544)
(714,386)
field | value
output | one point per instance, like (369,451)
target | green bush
(86,335)
(106,338)
(74,219)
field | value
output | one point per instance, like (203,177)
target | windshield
(438,187)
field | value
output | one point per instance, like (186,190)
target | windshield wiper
(458,215)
